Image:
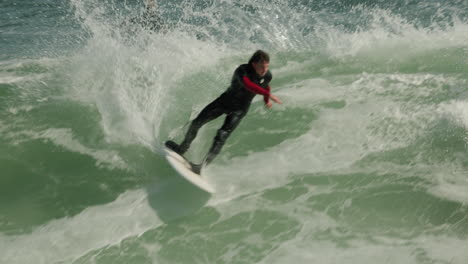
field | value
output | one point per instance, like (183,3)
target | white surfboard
(181,165)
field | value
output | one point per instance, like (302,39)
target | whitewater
(366,160)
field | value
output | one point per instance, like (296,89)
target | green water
(364,162)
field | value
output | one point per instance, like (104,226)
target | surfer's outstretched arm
(257,89)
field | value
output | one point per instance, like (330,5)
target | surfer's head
(260,61)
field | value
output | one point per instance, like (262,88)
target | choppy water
(365,162)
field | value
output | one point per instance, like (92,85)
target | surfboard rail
(183,168)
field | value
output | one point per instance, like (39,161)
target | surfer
(248,80)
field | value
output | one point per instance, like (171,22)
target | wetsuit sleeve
(254,88)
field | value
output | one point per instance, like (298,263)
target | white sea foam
(456,110)
(136,88)
(429,248)
(131,87)
(64,137)
(69,238)
(11,79)
(391,34)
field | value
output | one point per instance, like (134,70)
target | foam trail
(384,251)
(70,238)
(458,111)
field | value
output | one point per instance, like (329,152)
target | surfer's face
(261,68)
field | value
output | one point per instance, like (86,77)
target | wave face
(364,162)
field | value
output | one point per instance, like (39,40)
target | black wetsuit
(234,102)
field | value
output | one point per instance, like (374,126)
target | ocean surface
(366,160)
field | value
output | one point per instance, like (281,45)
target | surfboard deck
(182,166)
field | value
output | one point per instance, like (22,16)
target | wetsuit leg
(232,121)
(210,112)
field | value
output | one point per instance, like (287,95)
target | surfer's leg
(232,121)
(210,112)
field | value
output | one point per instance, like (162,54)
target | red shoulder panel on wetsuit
(254,88)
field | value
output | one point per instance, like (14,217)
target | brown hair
(259,56)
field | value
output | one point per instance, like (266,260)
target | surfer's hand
(275,99)
(269,104)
